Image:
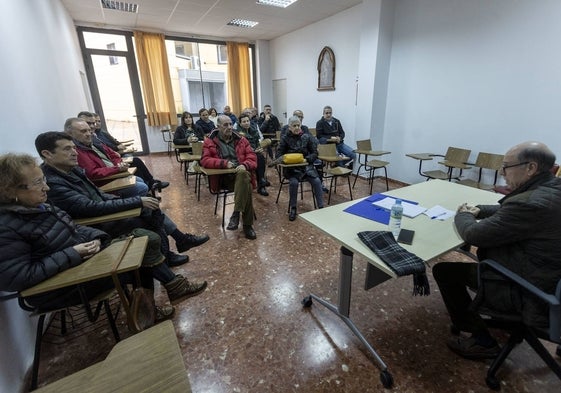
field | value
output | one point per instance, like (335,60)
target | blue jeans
(347,151)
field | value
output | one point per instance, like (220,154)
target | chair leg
(491,378)
(224,208)
(349,183)
(111,320)
(36,356)
(544,354)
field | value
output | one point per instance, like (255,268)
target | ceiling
(207,18)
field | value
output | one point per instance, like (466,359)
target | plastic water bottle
(395,218)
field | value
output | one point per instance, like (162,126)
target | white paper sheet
(439,213)
(409,209)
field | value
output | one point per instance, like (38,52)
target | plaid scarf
(401,261)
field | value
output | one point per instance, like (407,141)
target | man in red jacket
(225,149)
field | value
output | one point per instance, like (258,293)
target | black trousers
(142,171)
(454,279)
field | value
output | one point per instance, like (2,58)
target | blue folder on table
(367,209)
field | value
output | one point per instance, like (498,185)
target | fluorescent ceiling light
(119,6)
(277,3)
(242,23)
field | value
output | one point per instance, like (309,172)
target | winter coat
(212,157)
(93,164)
(37,243)
(522,233)
(324,131)
(304,143)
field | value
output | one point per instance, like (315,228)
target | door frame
(133,75)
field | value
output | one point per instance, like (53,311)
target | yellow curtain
(239,77)
(154,75)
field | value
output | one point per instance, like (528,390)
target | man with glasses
(99,160)
(225,149)
(330,130)
(521,233)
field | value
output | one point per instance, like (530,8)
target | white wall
(294,56)
(41,86)
(474,74)
(478,74)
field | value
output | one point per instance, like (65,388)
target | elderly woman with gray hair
(38,240)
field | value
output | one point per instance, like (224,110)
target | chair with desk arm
(364,148)
(193,158)
(327,153)
(490,161)
(455,158)
(167,136)
(513,323)
(101,300)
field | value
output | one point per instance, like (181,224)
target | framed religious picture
(326,69)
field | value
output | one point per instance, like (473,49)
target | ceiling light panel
(277,3)
(119,6)
(242,23)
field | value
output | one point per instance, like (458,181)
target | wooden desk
(148,362)
(98,266)
(109,217)
(118,175)
(432,239)
(118,184)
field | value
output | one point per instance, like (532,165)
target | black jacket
(37,243)
(522,233)
(324,131)
(80,197)
(301,143)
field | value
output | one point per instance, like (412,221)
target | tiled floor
(249,333)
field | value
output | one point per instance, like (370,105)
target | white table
(432,239)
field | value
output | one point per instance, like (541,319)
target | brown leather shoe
(180,289)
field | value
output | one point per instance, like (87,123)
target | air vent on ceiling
(276,3)
(119,6)
(242,23)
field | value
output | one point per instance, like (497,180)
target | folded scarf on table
(401,261)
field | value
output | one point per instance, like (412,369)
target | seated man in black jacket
(72,191)
(522,233)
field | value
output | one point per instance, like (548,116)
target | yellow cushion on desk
(293,158)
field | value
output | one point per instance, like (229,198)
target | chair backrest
(364,144)
(456,154)
(489,161)
(197,148)
(327,150)
(313,131)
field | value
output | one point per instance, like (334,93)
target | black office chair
(518,330)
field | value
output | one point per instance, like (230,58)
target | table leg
(343,309)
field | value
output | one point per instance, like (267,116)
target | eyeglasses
(327,113)
(39,183)
(91,123)
(504,167)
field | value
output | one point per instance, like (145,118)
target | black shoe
(325,189)
(267,183)
(161,184)
(234,222)
(292,214)
(262,191)
(189,241)
(467,347)
(176,259)
(249,232)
